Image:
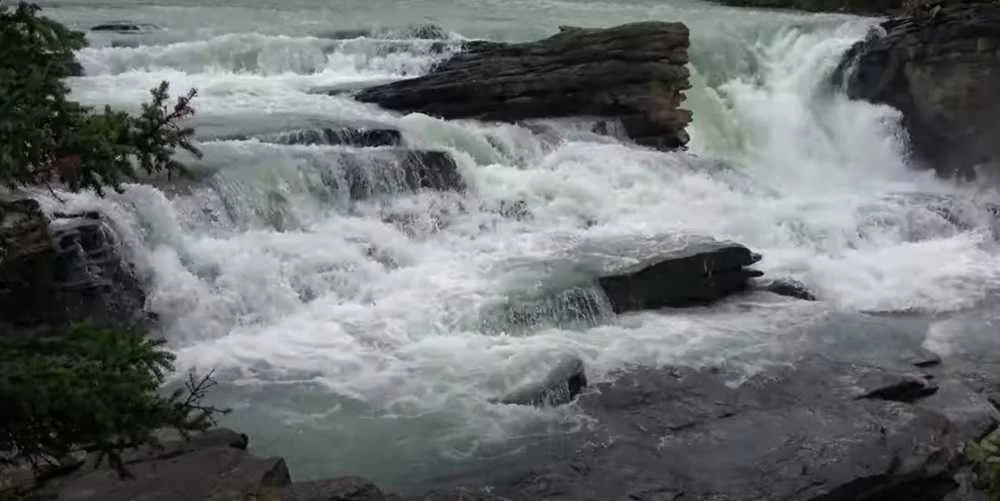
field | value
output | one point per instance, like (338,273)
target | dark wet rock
(125,27)
(940,67)
(861,7)
(634,73)
(563,383)
(64,270)
(695,275)
(787,287)
(349,136)
(346,34)
(902,388)
(365,174)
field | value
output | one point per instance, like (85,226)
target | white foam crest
(271,55)
(378,302)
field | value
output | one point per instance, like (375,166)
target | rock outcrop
(816,430)
(67,269)
(694,275)
(811,430)
(634,73)
(941,68)
(860,7)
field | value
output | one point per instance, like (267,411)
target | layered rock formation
(941,68)
(67,269)
(861,7)
(632,73)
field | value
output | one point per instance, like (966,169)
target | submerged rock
(361,175)
(695,275)
(563,383)
(634,73)
(941,67)
(64,270)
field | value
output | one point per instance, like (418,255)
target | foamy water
(350,342)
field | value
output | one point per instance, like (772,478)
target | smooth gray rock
(347,136)
(790,433)
(338,489)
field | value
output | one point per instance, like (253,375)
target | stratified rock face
(69,269)
(695,275)
(941,68)
(634,73)
(862,7)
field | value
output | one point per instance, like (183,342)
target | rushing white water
(366,337)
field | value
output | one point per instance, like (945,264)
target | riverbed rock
(347,136)
(633,73)
(860,7)
(64,269)
(939,66)
(696,274)
(797,432)
(786,287)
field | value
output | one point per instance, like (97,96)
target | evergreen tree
(82,388)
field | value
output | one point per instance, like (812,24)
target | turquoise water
(349,343)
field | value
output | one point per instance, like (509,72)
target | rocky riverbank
(813,429)
(941,67)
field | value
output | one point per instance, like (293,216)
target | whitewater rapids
(353,345)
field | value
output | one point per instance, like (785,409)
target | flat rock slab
(634,73)
(696,274)
(789,433)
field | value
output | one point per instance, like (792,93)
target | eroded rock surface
(941,68)
(634,73)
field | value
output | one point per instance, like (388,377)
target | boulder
(633,73)
(940,67)
(62,270)
(694,275)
